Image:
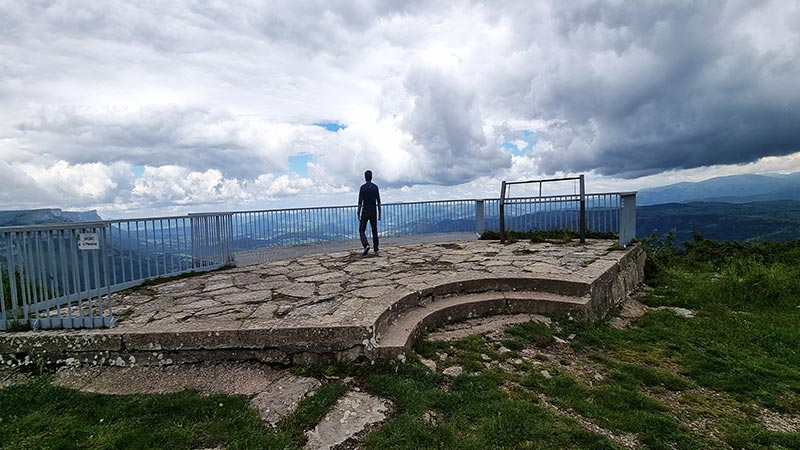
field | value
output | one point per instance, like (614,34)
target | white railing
(62,275)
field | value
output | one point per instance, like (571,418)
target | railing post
(627,218)
(230,257)
(195,226)
(503,213)
(12,275)
(2,298)
(583,210)
(480,216)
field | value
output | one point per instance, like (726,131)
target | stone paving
(344,288)
(331,305)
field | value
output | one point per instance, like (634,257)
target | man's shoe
(366,250)
(377,251)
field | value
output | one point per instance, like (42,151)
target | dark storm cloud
(670,86)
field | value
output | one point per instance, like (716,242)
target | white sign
(88,241)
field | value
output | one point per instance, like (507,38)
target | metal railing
(62,275)
(578,200)
(297,226)
(562,212)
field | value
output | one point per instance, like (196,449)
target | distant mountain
(43,216)
(774,221)
(730,189)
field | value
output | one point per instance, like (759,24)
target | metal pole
(583,210)
(503,213)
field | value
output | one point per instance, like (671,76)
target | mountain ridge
(22,217)
(726,189)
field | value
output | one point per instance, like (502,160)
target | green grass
(673,382)
(668,381)
(38,415)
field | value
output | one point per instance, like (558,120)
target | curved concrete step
(398,337)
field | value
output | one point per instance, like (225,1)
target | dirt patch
(700,410)
(483,325)
(562,356)
(623,440)
(10,376)
(783,423)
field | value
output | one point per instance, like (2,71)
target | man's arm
(360,202)
(378,199)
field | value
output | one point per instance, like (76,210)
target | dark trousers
(372,217)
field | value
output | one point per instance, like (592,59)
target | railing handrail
(101,223)
(306,208)
(55,226)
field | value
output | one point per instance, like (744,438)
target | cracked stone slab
(344,276)
(352,416)
(281,398)
(230,378)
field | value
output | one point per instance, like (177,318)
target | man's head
(368,175)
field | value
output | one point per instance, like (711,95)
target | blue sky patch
(137,171)
(515,147)
(299,164)
(331,126)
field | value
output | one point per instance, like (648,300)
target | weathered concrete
(242,378)
(396,338)
(282,398)
(332,306)
(353,415)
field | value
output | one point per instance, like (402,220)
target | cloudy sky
(143,107)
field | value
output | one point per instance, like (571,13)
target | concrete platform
(340,305)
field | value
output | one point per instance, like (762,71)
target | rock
(430,417)
(683,312)
(632,309)
(442,356)
(429,364)
(546,374)
(485,357)
(453,371)
(352,415)
(558,340)
(282,397)
(598,376)
(571,336)
(503,349)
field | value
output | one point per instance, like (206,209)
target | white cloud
(211,99)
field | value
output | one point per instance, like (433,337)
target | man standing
(369,210)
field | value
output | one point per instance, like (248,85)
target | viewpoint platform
(339,305)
